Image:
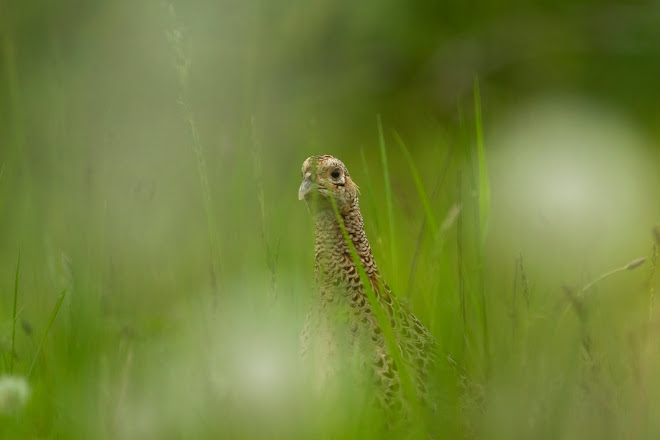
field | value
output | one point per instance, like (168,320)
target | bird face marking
(323,177)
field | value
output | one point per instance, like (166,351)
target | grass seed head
(634,264)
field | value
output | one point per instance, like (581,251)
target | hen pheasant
(342,311)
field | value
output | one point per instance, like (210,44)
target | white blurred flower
(14,393)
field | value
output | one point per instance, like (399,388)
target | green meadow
(156,265)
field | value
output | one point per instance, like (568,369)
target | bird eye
(336,173)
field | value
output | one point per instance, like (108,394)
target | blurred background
(149,163)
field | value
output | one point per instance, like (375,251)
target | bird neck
(334,263)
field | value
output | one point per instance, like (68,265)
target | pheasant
(342,311)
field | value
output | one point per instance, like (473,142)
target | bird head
(324,177)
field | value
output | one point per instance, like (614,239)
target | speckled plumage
(342,311)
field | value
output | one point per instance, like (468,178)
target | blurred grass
(100,191)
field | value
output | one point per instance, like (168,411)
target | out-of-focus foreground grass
(149,163)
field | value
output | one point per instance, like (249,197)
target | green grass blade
(459,260)
(388,194)
(383,322)
(50,323)
(270,250)
(484,183)
(370,188)
(654,264)
(182,64)
(421,192)
(13,316)
(420,236)
(483,190)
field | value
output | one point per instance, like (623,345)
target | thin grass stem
(484,182)
(370,188)
(182,62)
(482,187)
(388,195)
(459,260)
(271,254)
(43,339)
(419,186)
(383,322)
(630,266)
(422,228)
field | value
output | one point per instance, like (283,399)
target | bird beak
(305,188)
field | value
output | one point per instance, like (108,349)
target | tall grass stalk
(460,262)
(634,264)
(388,196)
(14,317)
(482,218)
(271,251)
(43,339)
(419,186)
(124,385)
(514,301)
(370,188)
(183,62)
(420,236)
(11,69)
(576,298)
(383,322)
(484,182)
(654,264)
(519,277)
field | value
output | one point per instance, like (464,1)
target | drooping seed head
(634,264)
